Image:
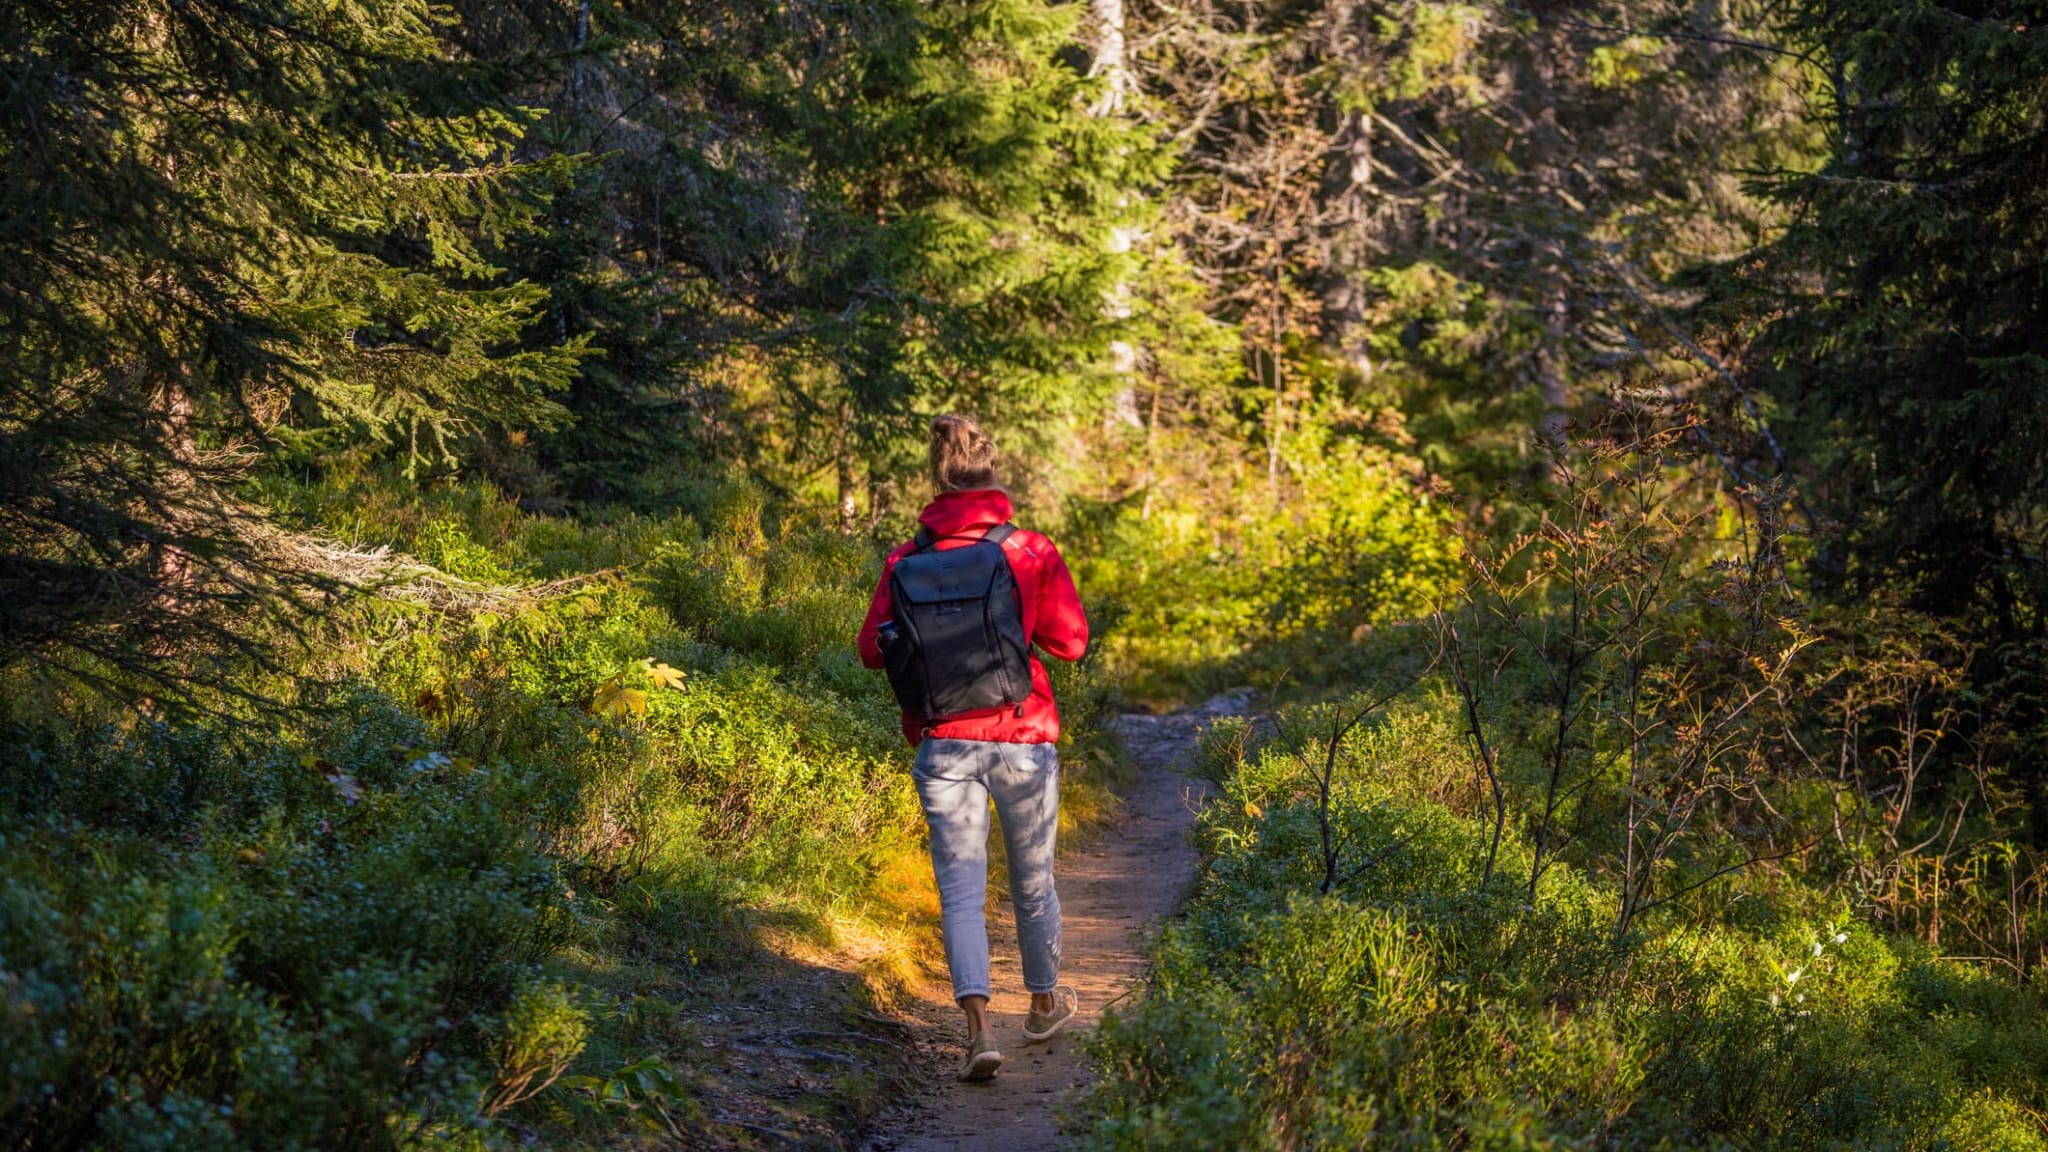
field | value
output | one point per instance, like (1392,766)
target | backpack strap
(926,539)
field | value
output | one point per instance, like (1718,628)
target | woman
(1005,753)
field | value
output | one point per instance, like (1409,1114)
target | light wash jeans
(955,780)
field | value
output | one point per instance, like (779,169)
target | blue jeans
(955,780)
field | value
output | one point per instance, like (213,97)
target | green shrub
(1415,1006)
(399,911)
(1224,587)
(319,973)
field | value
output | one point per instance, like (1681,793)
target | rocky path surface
(1114,889)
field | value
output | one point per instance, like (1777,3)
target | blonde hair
(963,456)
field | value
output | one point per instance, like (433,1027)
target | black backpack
(957,644)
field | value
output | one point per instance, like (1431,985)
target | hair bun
(963,457)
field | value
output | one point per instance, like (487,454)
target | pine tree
(1904,315)
(805,232)
(1476,207)
(235,230)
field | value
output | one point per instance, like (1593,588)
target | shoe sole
(982,1067)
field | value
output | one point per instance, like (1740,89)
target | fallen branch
(383,573)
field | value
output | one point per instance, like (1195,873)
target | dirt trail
(1113,890)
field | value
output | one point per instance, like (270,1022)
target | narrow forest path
(1114,888)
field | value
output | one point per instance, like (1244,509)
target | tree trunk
(1111,65)
(1279,411)
(1108,17)
(848,473)
(171,564)
(1553,306)
(576,65)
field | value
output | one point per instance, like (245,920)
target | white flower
(1841,937)
(1793,976)
(1817,949)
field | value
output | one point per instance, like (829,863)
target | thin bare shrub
(1641,635)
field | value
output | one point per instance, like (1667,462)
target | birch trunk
(1111,65)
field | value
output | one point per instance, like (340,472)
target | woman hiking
(954,622)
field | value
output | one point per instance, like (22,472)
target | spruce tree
(1465,213)
(234,230)
(803,233)
(1904,315)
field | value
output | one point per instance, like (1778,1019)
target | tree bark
(1279,412)
(1110,64)
(848,472)
(1553,303)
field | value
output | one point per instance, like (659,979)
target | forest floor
(1115,886)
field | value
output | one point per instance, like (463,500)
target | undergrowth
(1421,1004)
(473,882)
(1235,584)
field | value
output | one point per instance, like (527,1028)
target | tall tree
(1478,205)
(231,229)
(1903,317)
(810,226)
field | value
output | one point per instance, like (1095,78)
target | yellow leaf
(666,677)
(617,701)
(1254,811)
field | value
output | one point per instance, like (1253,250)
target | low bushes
(479,853)
(1418,1005)
(214,942)
(1229,584)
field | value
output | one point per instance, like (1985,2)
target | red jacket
(1052,617)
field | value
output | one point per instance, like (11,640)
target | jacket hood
(966,512)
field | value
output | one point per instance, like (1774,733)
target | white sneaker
(982,1060)
(1065,1002)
